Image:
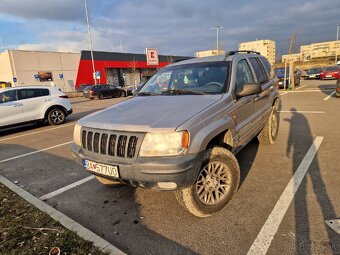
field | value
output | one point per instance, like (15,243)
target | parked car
(102,91)
(81,87)
(20,105)
(280,74)
(313,73)
(330,72)
(185,138)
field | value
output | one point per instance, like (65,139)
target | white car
(20,105)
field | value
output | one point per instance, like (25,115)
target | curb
(67,222)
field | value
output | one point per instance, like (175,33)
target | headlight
(164,144)
(77,134)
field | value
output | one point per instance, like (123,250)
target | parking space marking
(67,222)
(309,90)
(301,87)
(87,107)
(35,152)
(270,227)
(302,111)
(68,187)
(283,93)
(37,132)
(329,96)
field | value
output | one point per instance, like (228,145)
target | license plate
(101,168)
(328,75)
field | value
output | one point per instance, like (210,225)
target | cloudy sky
(176,27)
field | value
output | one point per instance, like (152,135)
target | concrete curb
(67,222)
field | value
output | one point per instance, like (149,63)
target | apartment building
(292,57)
(267,48)
(320,50)
(207,53)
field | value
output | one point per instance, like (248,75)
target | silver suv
(182,129)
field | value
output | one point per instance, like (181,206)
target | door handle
(46,100)
(17,105)
(271,88)
(258,97)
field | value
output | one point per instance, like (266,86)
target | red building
(124,69)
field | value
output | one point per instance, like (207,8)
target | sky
(176,27)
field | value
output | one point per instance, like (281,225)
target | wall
(28,63)
(5,68)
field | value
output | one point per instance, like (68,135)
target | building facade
(320,50)
(122,69)
(20,67)
(207,53)
(292,57)
(267,48)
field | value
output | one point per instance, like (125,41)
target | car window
(8,96)
(112,87)
(260,74)
(243,74)
(268,67)
(31,93)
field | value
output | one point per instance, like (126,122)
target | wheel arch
(55,106)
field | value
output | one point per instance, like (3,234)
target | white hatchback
(20,105)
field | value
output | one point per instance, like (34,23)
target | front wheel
(56,116)
(216,184)
(270,131)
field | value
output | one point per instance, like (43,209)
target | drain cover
(334,224)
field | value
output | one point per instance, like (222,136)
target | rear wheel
(122,94)
(269,133)
(216,184)
(56,116)
(100,96)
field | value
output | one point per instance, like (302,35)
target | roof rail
(180,59)
(230,53)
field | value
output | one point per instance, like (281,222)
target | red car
(337,88)
(330,72)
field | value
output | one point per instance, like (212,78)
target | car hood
(149,113)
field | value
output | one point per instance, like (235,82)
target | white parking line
(301,87)
(67,222)
(37,132)
(302,111)
(270,227)
(34,152)
(329,96)
(68,187)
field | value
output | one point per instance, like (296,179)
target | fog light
(167,185)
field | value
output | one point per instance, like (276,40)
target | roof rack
(230,53)
(180,59)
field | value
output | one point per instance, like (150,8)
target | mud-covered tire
(56,116)
(219,178)
(270,131)
(122,94)
(108,182)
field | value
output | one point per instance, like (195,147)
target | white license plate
(328,75)
(101,168)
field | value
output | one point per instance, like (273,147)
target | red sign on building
(152,57)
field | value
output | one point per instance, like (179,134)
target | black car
(313,73)
(81,87)
(102,91)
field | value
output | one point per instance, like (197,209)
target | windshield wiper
(183,92)
(147,94)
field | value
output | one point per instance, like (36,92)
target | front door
(11,110)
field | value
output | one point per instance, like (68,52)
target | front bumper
(160,173)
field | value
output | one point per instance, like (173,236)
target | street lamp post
(217,30)
(336,48)
(90,42)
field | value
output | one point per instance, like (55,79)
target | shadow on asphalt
(299,135)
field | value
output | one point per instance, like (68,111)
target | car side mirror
(249,89)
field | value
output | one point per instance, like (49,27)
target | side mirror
(249,89)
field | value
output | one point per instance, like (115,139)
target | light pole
(217,29)
(90,42)
(337,45)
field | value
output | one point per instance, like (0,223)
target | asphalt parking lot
(260,219)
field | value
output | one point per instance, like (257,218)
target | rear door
(11,111)
(32,100)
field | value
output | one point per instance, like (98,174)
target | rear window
(332,68)
(259,71)
(88,88)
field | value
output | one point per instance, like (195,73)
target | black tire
(100,96)
(270,131)
(122,94)
(216,184)
(56,116)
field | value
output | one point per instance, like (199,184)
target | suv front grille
(111,144)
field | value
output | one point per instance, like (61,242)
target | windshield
(192,79)
(281,71)
(314,70)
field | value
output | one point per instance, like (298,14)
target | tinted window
(8,96)
(31,93)
(88,88)
(268,67)
(261,76)
(243,74)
